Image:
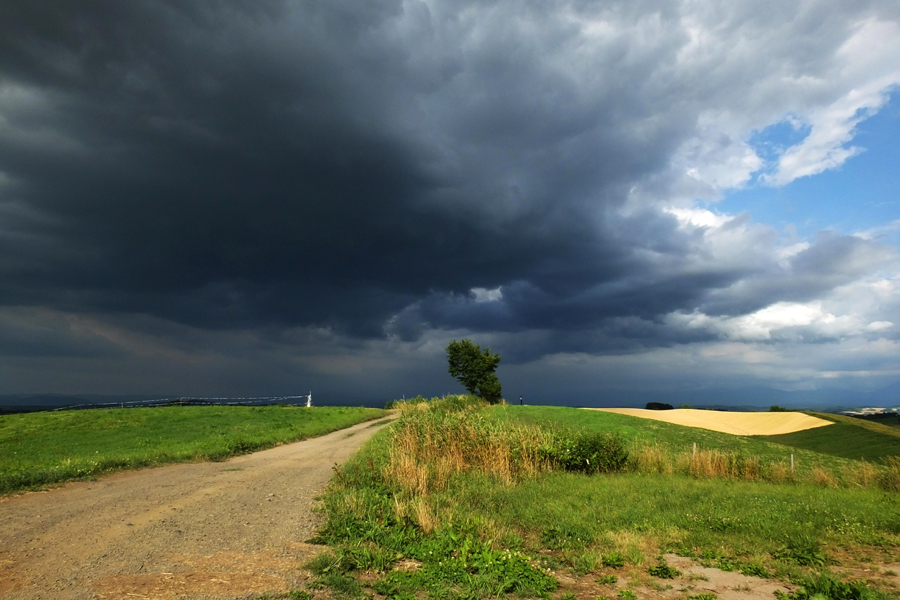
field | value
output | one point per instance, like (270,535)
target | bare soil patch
(736,423)
(231,529)
(697,580)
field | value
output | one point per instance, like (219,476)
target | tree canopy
(474,368)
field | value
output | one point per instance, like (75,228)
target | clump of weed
(663,570)
(343,586)
(863,474)
(650,458)
(607,580)
(755,569)
(828,587)
(627,595)
(331,571)
(323,563)
(718,464)
(567,537)
(585,563)
(779,472)
(803,550)
(614,560)
(823,477)
(704,596)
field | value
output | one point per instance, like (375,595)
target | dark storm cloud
(215,166)
(361,167)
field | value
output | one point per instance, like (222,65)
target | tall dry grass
(717,464)
(890,477)
(864,475)
(432,441)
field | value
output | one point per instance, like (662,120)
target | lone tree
(474,368)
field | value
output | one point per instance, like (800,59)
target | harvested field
(735,423)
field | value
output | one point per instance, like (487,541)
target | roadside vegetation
(39,449)
(459,499)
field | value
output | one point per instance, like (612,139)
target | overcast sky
(246,197)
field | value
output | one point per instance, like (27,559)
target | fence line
(304,400)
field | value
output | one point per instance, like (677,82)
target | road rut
(231,529)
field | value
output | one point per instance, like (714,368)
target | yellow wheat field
(736,423)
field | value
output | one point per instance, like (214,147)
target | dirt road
(231,529)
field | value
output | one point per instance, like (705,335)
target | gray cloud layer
(363,167)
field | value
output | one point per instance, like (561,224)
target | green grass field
(38,449)
(458,490)
(679,438)
(847,438)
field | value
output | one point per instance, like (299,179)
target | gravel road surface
(232,529)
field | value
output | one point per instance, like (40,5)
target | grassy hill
(852,438)
(549,502)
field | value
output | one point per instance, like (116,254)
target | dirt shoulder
(232,529)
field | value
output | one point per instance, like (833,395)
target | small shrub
(586,451)
(568,596)
(607,580)
(627,595)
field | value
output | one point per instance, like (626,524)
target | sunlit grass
(50,447)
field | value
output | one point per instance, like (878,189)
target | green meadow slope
(847,438)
